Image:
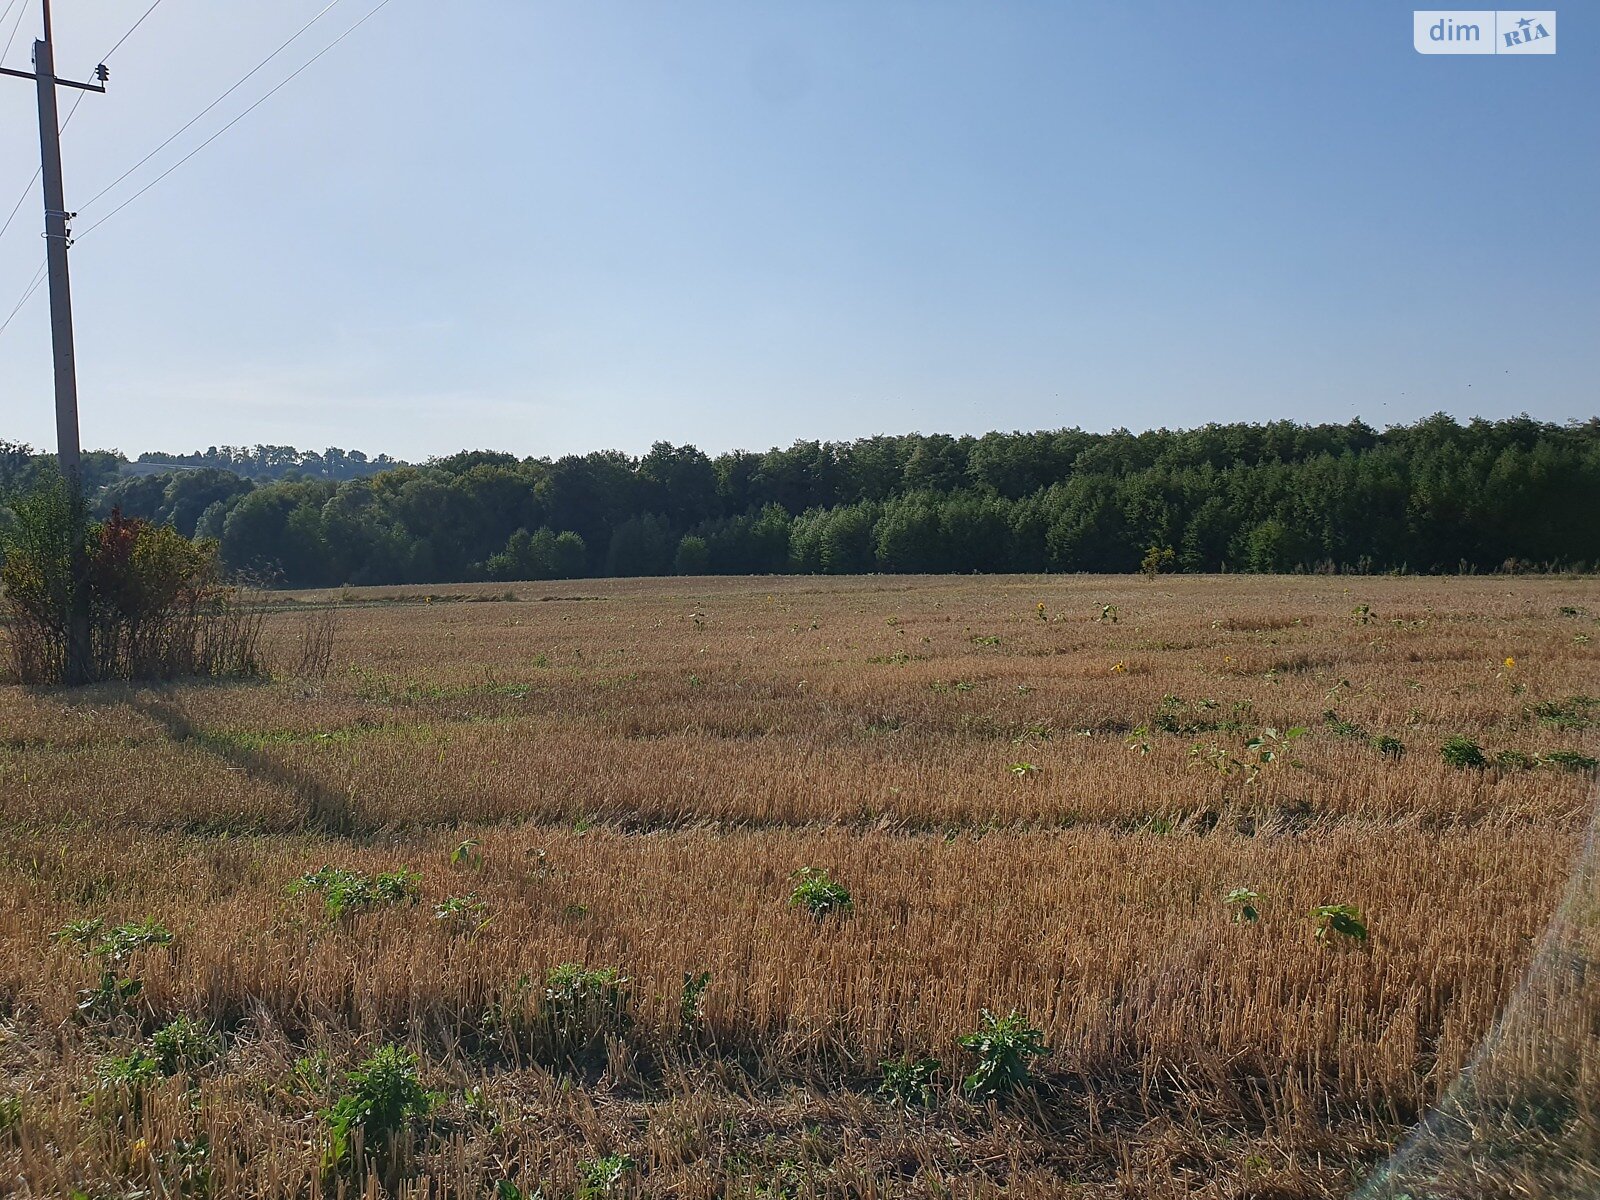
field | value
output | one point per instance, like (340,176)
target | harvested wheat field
(1109,805)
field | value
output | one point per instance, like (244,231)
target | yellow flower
(1511,663)
(1119,669)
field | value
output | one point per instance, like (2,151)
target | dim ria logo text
(1484,31)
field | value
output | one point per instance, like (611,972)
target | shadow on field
(327,811)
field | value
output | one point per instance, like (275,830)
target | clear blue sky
(554,227)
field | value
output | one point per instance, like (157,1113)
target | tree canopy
(1438,495)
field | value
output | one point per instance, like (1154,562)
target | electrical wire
(191,122)
(37,171)
(31,182)
(382,4)
(21,12)
(72,112)
(106,57)
(22,199)
(33,284)
(6,14)
(38,278)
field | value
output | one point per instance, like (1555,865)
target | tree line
(1435,496)
(277,462)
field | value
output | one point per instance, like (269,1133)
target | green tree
(693,557)
(569,557)
(641,545)
(846,546)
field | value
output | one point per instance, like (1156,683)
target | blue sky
(555,227)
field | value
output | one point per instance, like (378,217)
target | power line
(191,122)
(4,15)
(22,199)
(72,112)
(107,55)
(21,12)
(33,286)
(382,4)
(38,278)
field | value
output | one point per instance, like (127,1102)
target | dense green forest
(1434,496)
(278,462)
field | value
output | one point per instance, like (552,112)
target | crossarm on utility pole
(86,87)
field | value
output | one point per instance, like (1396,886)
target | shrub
(184,1045)
(112,995)
(908,1082)
(150,603)
(1342,727)
(598,1176)
(344,891)
(1390,747)
(82,933)
(189,1163)
(314,658)
(818,893)
(691,1000)
(1463,753)
(128,1073)
(582,1006)
(384,1095)
(1334,921)
(1514,760)
(1575,712)
(1004,1047)
(1186,717)
(1267,746)
(693,557)
(1568,760)
(463,912)
(1156,559)
(120,944)
(1242,902)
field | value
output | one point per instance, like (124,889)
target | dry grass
(1011,798)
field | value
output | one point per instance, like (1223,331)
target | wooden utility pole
(57,238)
(55,234)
